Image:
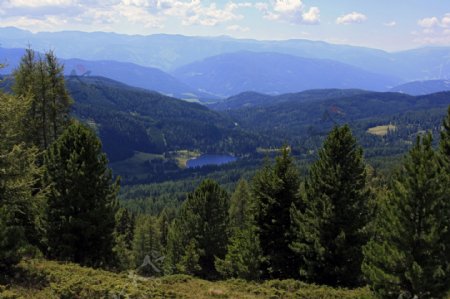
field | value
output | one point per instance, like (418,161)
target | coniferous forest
(331,227)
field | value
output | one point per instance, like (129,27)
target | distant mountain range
(125,72)
(274,73)
(169,52)
(423,87)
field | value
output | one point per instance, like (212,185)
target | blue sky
(385,24)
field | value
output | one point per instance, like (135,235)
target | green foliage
(123,238)
(333,213)
(19,201)
(147,247)
(82,199)
(42,279)
(409,254)
(42,79)
(445,141)
(242,207)
(199,232)
(275,189)
(244,255)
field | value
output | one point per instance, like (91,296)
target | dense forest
(333,221)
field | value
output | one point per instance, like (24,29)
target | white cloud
(428,22)
(445,22)
(292,11)
(38,15)
(237,28)
(435,30)
(390,24)
(312,16)
(352,18)
(36,3)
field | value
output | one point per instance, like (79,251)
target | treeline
(339,225)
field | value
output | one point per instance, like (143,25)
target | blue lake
(210,160)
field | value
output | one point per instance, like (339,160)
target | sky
(390,25)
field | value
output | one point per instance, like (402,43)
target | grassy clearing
(47,280)
(183,156)
(381,130)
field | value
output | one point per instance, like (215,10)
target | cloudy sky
(384,24)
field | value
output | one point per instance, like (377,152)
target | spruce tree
(332,215)
(409,255)
(147,250)
(275,189)
(244,255)
(199,233)
(82,199)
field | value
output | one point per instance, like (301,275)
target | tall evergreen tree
(42,79)
(19,217)
(275,189)
(147,249)
(82,199)
(199,233)
(123,239)
(244,255)
(333,213)
(409,254)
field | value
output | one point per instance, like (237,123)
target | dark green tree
(147,251)
(409,255)
(199,234)
(275,189)
(244,255)
(82,199)
(42,79)
(123,239)
(19,202)
(331,219)
(444,145)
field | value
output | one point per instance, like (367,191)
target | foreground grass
(48,279)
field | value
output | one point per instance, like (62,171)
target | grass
(43,279)
(183,156)
(381,130)
(135,166)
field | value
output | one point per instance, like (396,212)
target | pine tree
(275,189)
(244,255)
(241,206)
(409,255)
(123,239)
(444,145)
(199,233)
(19,202)
(82,199)
(146,246)
(58,96)
(333,213)
(42,80)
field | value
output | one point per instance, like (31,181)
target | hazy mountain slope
(128,73)
(275,73)
(252,99)
(423,87)
(168,52)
